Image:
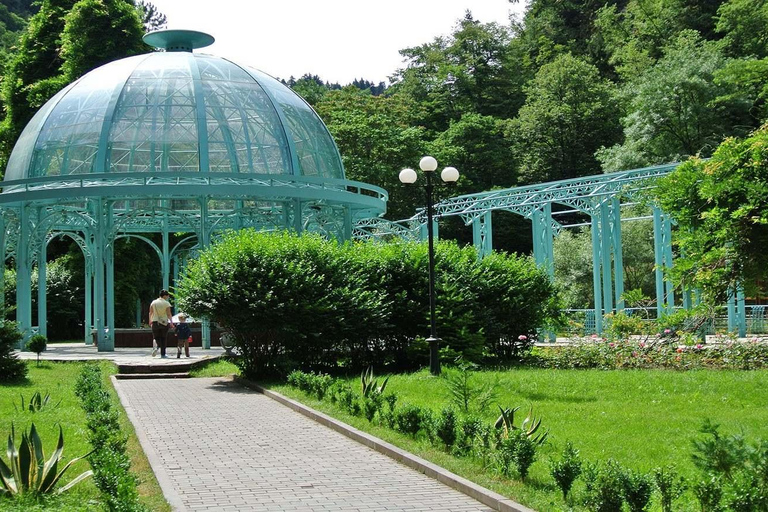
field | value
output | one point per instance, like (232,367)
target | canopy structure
(602,198)
(171,142)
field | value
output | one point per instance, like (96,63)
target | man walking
(161,320)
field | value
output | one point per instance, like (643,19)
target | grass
(217,368)
(643,419)
(58,380)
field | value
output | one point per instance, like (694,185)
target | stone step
(177,375)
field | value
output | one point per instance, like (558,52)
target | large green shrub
(301,301)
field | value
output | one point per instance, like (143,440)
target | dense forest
(571,88)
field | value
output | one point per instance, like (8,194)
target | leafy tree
(377,139)
(671,112)
(470,71)
(743,22)
(478,146)
(721,210)
(116,26)
(569,113)
(634,35)
(33,74)
(309,87)
(150,16)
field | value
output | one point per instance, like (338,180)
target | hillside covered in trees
(571,88)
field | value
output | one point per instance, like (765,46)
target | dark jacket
(183,331)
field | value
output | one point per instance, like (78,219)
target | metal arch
(124,220)
(143,239)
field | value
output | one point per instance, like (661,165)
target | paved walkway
(215,445)
(121,355)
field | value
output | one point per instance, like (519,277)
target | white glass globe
(449,174)
(407,176)
(428,164)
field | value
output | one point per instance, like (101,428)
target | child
(183,335)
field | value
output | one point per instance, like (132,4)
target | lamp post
(449,175)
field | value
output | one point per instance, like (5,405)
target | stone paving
(121,355)
(215,445)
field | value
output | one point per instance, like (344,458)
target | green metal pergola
(601,197)
(171,142)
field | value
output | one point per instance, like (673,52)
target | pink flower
(699,346)
(611,345)
(667,331)
(679,349)
(634,354)
(594,336)
(522,337)
(642,344)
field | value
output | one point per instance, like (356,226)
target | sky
(339,40)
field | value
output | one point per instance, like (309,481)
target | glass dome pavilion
(168,142)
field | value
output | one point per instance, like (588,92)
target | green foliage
(37,344)
(721,210)
(445,426)
(27,470)
(37,403)
(671,113)
(11,367)
(719,455)
(566,470)
(604,487)
(109,460)
(670,485)
(465,394)
(742,23)
(293,301)
(709,493)
(115,24)
(409,419)
(655,352)
(638,488)
(570,112)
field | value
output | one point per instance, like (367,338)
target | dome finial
(178,40)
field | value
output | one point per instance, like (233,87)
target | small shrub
(670,485)
(719,455)
(709,493)
(638,488)
(469,431)
(566,470)
(11,367)
(37,344)
(445,426)
(603,490)
(408,419)
(525,454)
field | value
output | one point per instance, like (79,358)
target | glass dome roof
(175,112)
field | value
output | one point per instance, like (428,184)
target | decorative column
(482,235)
(618,255)
(98,277)
(42,306)
(605,252)
(205,241)
(658,241)
(23,277)
(596,274)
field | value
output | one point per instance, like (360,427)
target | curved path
(215,445)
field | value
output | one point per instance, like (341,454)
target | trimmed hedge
(109,460)
(305,302)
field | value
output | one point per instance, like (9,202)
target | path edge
(483,495)
(166,485)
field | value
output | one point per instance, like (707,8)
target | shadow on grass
(550,397)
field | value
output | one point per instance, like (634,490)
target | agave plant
(27,471)
(370,386)
(529,427)
(36,403)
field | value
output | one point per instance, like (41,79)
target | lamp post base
(434,355)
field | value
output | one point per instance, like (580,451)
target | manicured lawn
(58,380)
(643,418)
(217,368)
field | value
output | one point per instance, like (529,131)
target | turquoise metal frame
(601,197)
